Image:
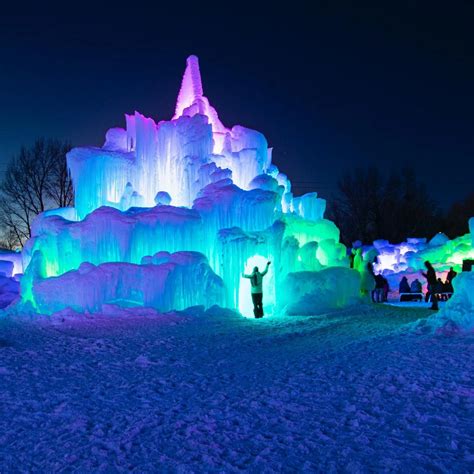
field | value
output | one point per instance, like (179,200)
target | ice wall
(188,184)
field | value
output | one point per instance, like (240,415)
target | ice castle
(169,214)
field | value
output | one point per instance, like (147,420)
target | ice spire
(191,101)
(191,86)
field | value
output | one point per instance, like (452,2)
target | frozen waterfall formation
(169,214)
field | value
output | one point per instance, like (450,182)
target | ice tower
(170,213)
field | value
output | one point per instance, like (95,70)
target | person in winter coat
(256,280)
(404,287)
(379,288)
(430,276)
(415,286)
(449,280)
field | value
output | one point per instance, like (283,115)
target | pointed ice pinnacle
(191,101)
(191,86)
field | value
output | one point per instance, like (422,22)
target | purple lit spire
(191,101)
(191,86)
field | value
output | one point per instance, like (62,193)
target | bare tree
(9,241)
(59,186)
(356,210)
(35,180)
(370,206)
(456,222)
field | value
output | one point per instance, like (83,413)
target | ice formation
(185,186)
(11,264)
(458,314)
(407,258)
(311,293)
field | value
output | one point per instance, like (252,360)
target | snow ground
(352,391)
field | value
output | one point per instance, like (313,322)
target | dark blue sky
(331,87)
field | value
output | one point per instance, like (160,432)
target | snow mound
(310,293)
(458,314)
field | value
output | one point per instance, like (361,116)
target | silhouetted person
(404,287)
(352,258)
(386,289)
(378,291)
(256,280)
(449,280)
(371,272)
(381,289)
(441,288)
(415,286)
(430,276)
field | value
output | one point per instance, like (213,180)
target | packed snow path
(346,392)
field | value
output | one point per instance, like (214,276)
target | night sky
(332,88)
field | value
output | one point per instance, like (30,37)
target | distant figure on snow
(442,290)
(386,290)
(449,280)
(352,258)
(430,276)
(404,287)
(370,277)
(379,293)
(256,280)
(415,286)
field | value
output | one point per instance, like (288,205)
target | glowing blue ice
(184,185)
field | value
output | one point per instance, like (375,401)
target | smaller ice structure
(163,281)
(11,263)
(311,293)
(407,258)
(458,313)
(11,268)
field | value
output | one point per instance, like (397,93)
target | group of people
(410,291)
(435,285)
(437,289)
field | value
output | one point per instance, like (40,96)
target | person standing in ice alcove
(256,289)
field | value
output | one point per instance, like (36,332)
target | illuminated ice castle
(169,214)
